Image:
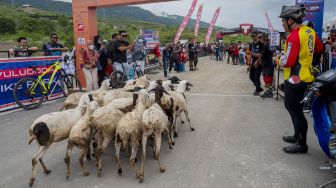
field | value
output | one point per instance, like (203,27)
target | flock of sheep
(142,109)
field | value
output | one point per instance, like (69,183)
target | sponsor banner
(269,23)
(212,25)
(198,18)
(149,35)
(14,69)
(315,11)
(151,44)
(185,21)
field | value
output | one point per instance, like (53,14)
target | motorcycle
(323,94)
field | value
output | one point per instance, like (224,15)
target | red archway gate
(85,22)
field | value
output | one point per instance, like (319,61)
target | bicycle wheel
(28,93)
(70,83)
(117,80)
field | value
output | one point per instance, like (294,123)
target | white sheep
(119,93)
(53,127)
(129,129)
(72,100)
(80,136)
(142,82)
(180,105)
(105,120)
(154,122)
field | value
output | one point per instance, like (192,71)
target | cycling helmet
(294,12)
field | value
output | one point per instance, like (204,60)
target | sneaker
(267,94)
(296,148)
(289,139)
(256,93)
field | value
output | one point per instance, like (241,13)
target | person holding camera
(119,57)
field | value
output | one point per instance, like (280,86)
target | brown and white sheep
(129,129)
(53,127)
(80,136)
(154,122)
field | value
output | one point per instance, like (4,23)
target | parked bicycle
(118,78)
(30,93)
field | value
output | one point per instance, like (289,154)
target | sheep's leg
(169,138)
(67,160)
(81,161)
(45,169)
(144,144)
(88,150)
(157,151)
(117,155)
(175,127)
(187,116)
(106,141)
(40,153)
(181,120)
(135,146)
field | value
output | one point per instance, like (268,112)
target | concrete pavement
(237,143)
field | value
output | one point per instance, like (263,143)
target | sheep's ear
(189,84)
(172,87)
(90,97)
(83,110)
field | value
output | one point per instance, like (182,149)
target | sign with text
(315,11)
(14,69)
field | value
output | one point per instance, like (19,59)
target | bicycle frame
(56,66)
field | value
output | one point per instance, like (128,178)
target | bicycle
(30,93)
(118,78)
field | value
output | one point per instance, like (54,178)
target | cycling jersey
(299,51)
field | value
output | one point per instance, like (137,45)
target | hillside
(123,13)
(37,25)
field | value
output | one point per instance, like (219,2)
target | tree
(8,25)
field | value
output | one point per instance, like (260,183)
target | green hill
(123,13)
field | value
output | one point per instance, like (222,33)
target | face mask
(91,47)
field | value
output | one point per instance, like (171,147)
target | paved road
(237,143)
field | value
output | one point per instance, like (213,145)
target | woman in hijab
(101,65)
(90,58)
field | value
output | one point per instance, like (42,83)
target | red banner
(185,21)
(197,23)
(212,25)
(270,26)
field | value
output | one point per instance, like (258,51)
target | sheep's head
(159,90)
(184,86)
(143,80)
(105,85)
(174,80)
(91,107)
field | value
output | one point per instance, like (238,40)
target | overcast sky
(235,12)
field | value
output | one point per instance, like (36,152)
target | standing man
(191,50)
(298,58)
(53,48)
(110,46)
(119,58)
(255,67)
(197,51)
(22,50)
